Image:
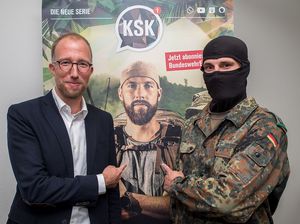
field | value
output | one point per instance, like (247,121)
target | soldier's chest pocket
(250,164)
(192,159)
(187,149)
(223,153)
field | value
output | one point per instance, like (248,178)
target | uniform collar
(237,115)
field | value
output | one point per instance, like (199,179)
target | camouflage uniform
(233,174)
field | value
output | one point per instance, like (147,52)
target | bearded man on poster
(143,143)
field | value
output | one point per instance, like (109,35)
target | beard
(70,93)
(141,116)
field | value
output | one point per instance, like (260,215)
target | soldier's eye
(131,85)
(208,67)
(148,85)
(226,65)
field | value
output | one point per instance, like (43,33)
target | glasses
(67,65)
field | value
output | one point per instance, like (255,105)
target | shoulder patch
(282,126)
(279,122)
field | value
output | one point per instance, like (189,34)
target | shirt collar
(61,105)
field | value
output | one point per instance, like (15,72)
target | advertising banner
(146,58)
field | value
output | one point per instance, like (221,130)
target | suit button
(64,221)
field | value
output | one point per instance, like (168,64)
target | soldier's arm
(248,179)
(155,206)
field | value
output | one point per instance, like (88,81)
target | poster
(165,36)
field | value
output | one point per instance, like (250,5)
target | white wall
(20,75)
(269,27)
(272,31)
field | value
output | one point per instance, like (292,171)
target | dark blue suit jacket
(41,158)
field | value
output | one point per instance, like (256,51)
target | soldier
(143,143)
(233,155)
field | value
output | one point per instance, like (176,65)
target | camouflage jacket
(233,174)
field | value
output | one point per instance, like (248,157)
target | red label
(157,10)
(183,60)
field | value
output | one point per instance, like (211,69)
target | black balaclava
(226,88)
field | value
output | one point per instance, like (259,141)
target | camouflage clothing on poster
(143,174)
(235,172)
(199,101)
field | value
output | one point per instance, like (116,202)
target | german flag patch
(272,140)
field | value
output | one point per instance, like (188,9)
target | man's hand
(170,175)
(112,175)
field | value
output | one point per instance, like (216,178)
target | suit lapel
(91,140)
(59,129)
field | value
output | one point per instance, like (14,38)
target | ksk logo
(138,28)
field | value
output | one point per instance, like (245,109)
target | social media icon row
(213,10)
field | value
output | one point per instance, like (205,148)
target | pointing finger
(165,168)
(122,168)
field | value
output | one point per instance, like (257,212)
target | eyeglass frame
(72,63)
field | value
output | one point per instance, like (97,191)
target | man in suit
(62,150)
